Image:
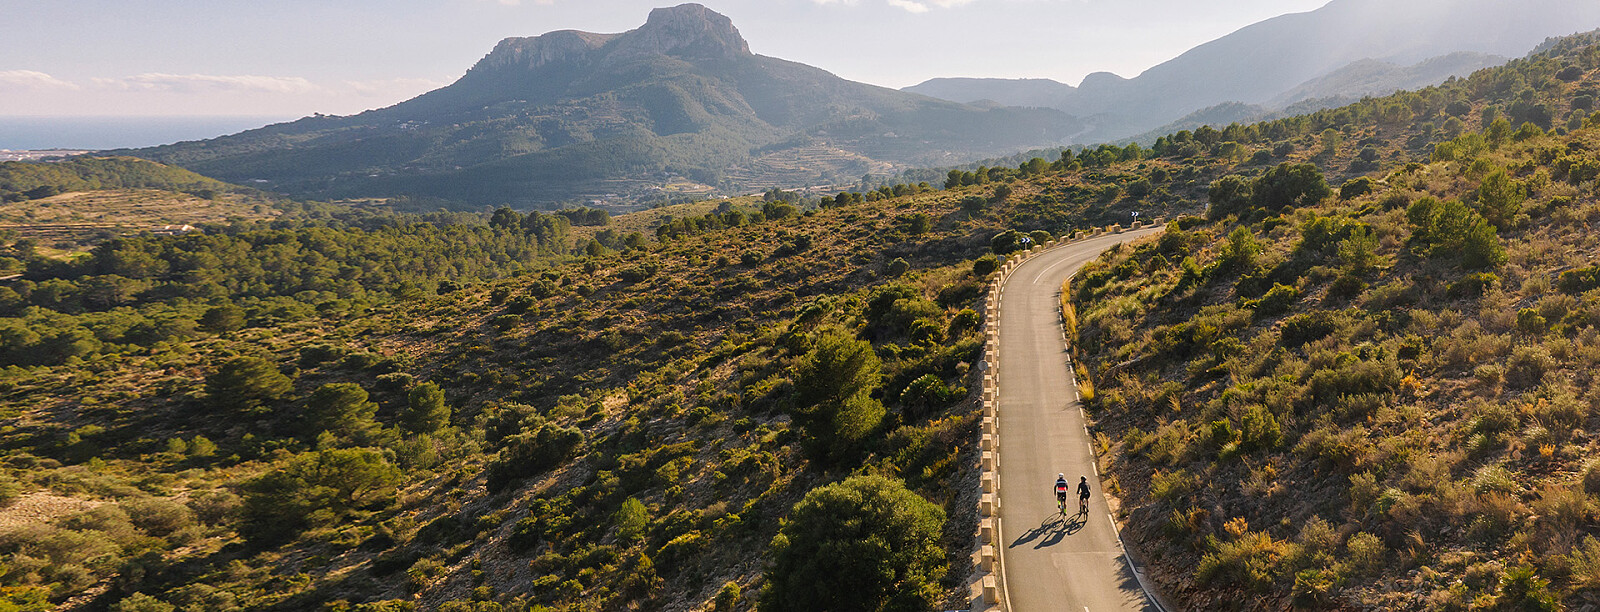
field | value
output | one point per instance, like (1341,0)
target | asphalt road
(1052,562)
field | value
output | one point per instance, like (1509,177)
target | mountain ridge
(1266,59)
(570,115)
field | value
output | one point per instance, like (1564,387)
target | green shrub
(533,452)
(1527,366)
(247,384)
(632,519)
(1529,321)
(1347,286)
(1579,280)
(1290,185)
(158,517)
(316,489)
(425,410)
(973,204)
(865,543)
(1277,301)
(1259,429)
(1241,250)
(833,384)
(1452,229)
(216,507)
(1247,561)
(1171,486)
(1364,556)
(1521,588)
(1303,328)
(727,597)
(1006,242)
(1229,195)
(1473,285)
(986,265)
(340,408)
(222,319)
(139,602)
(896,268)
(923,393)
(1355,379)
(318,354)
(1356,187)
(1500,198)
(964,321)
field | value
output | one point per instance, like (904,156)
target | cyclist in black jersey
(1083,493)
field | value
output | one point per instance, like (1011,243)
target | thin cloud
(32,80)
(909,5)
(210,83)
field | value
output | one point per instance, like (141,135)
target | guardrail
(990,582)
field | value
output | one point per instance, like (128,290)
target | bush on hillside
(866,543)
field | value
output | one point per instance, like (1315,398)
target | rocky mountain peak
(687,30)
(536,51)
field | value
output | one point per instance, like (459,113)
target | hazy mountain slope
(1012,92)
(1371,77)
(1260,61)
(568,113)
(1265,61)
(1340,87)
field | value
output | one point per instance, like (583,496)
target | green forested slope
(463,412)
(31,180)
(1378,395)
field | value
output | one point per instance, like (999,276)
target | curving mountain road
(1051,562)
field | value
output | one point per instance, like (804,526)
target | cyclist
(1061,492)
(1083,493)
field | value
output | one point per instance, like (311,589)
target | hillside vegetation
(1359,378)
(1377,393)
(480,412)
(21,181)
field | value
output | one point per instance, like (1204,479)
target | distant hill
(1371,77)
(32,180)
(1303,56)
(1010,92)
(581,115)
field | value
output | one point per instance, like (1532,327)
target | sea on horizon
(100,133)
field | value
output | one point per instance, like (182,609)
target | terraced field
(813,165)
(70,221)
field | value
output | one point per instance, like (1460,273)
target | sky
(292,58)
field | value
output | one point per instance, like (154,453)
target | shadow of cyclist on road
(1052,530)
